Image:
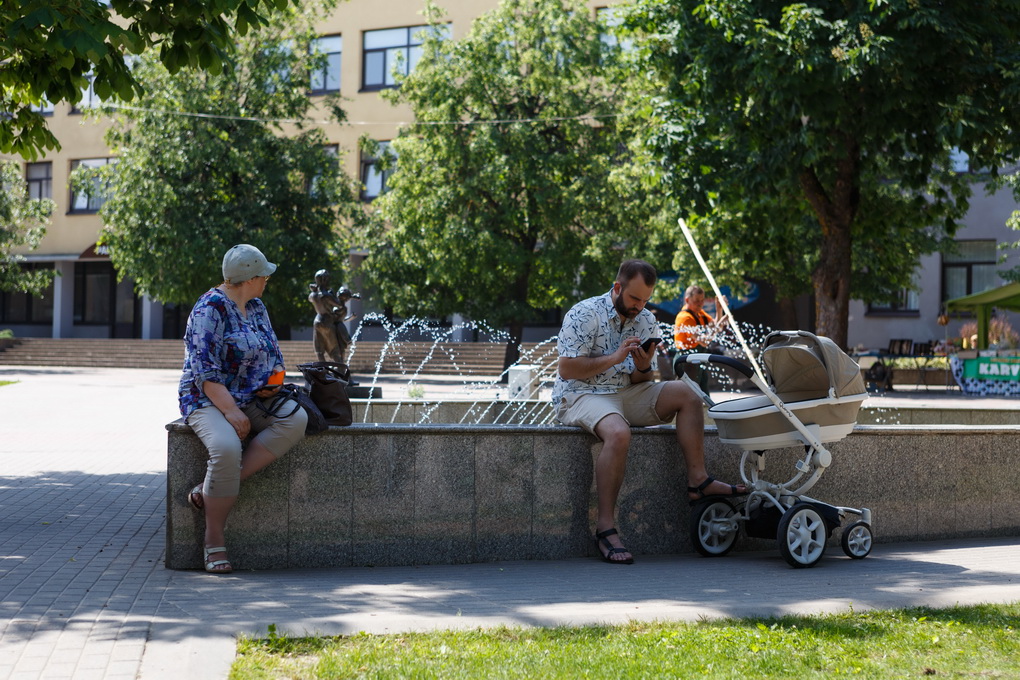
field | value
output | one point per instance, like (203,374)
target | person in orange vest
(694,330)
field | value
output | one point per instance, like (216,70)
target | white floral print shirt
(592,328)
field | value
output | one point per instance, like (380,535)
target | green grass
(8,382)
(962,642)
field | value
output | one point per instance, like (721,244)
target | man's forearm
(582,368)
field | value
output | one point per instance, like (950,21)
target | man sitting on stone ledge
(605,386)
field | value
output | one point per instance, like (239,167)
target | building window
(88,96)
(333,152)
(45,107)
(970,269)
(278,58)
(373,178)
(24,308)
(385,49)
(326,78)
(609,21)
(93,293)
(907,303)
(39,177)
(959,161)
(90,201)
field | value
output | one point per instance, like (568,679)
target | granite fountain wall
(402,494)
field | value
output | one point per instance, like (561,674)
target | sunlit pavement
(85,595)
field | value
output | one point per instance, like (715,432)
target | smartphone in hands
(650,343)
(272,385)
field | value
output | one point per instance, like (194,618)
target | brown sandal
(196,499)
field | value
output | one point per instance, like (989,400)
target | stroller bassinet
(815,379)
(813,395)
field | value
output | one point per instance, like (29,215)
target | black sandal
(700,490)
(601,538)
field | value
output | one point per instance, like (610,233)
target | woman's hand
(272,385)
(221,399)
(239,421)
(267,391)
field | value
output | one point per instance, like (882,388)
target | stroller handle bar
(698,359)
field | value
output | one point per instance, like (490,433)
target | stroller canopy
(810,366)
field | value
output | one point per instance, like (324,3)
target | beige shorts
(635,403)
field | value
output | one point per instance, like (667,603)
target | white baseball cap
(244,262)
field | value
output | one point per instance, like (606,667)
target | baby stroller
(814,393)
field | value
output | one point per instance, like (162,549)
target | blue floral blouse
(222,346)
(592,328)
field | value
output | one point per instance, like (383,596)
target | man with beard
(605,386)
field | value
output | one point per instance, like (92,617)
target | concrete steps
(408,358)
(95,352)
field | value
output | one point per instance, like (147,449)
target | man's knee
(614,431)
(676,396)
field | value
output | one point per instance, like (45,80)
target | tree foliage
(204,163)
(48,49)
(515,189)
(1013,274)
(811,141)
(23,223)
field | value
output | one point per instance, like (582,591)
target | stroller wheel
(714,527)
(801,535)
(857,540)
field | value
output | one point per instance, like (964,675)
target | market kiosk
(987,371)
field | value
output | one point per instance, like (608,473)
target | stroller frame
(801,524)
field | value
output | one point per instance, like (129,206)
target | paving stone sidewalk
(83,591)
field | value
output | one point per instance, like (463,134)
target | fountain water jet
(481,395)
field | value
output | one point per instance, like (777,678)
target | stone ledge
(385,411)
(397,494)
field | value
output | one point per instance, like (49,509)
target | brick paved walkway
(85,595)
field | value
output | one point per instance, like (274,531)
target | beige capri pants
(278,435)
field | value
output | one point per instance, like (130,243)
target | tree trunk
(836,210)
(786,313)
(831,281)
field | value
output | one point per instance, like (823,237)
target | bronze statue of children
(331,336)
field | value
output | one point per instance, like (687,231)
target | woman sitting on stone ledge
(231,354)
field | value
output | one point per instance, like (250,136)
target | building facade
(362,43)
(981,256)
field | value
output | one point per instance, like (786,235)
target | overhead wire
(295,121)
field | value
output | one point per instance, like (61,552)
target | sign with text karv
(992,368)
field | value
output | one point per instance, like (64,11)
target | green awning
(1004,297)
